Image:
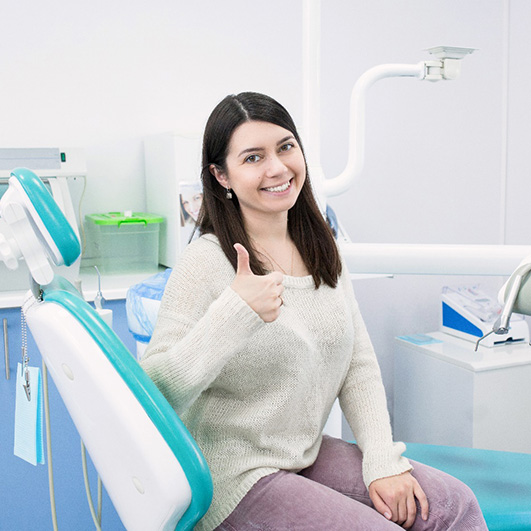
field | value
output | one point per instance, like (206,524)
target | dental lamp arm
(446,65)
(352,171)
(432,259)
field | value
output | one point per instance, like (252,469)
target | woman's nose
(275,166)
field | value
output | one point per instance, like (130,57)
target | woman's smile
(279,189)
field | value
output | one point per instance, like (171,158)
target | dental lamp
(515,296)
(32,226)
(433,259)
(383,258)
(446,65)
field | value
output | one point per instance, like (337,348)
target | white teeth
(280,188)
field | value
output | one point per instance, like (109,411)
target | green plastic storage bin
(123,244)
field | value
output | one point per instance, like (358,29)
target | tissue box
(119,243)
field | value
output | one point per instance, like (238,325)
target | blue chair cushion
(501,481)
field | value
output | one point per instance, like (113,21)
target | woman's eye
(287,147)
(252,158)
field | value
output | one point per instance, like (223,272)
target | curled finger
(423,501)
(411,508)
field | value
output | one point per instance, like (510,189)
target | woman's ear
(219,174)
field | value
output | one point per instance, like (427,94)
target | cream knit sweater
(256,395)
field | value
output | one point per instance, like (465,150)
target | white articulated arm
(27,242)
(446,66)
(436,259)
(352,171)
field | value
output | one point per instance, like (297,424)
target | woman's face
(192,204)
(265,167)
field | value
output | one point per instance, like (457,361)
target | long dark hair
(221,216)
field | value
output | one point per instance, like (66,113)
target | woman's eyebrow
(289,137)
(249,150)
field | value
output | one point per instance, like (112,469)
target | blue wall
(24,497)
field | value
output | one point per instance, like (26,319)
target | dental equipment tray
(469,313)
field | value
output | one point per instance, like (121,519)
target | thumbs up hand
(261,292)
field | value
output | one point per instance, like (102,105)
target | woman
(259,333)
(190,198)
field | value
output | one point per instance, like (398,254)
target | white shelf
(113,287)
(461,353)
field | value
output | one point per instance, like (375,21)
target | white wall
(104,73)
(519,126)
(432,148)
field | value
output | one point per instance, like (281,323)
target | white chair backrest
(141,471)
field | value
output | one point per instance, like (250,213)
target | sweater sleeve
(363,401)
(201,324)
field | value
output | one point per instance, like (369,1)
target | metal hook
(24,372)
(98,300)
(26,385)
(482,338)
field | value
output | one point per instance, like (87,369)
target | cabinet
(24,497)
(447,394)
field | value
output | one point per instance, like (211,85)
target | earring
(229,193)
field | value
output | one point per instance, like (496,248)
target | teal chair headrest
(53,220)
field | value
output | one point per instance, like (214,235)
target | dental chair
(152,469)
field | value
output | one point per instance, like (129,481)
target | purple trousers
(331,496)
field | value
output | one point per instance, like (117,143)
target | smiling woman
(253,152)
(259,333)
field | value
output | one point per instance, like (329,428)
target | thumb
(243,267)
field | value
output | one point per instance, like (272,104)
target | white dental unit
(59,169)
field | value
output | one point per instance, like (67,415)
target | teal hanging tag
(29,440)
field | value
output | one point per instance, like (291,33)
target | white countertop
(461,352)
(113,287)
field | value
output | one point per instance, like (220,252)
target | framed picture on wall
(190,200)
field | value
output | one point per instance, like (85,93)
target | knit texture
(256,396)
